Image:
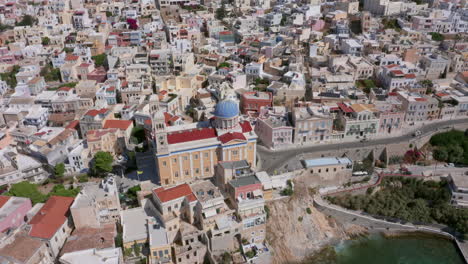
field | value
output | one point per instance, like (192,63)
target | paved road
(272,160)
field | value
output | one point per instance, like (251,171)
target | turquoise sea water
(377,249)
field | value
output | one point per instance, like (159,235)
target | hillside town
(139,131)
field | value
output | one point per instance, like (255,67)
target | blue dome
(226,109)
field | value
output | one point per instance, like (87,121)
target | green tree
(436,36)
(28,190)
(10,77)
(60,190)
(138,135)
(441,154)
(102,163)
(100,60)
(26,21)
(4,27)
(136,249)
(59,170)
(50,74)
(221,12)
(455,154)
(45,41)
(226,258)
(223,65)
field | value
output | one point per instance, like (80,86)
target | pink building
(318,24)
(13,211)
(391,114)
(244,187)
(274,129)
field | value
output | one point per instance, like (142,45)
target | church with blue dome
(193,151)
(226,109)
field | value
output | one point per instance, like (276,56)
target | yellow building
(190,152)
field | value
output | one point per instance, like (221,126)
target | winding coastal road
(271,160)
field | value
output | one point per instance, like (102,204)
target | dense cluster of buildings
(197,85)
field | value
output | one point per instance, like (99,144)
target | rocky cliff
(295,232)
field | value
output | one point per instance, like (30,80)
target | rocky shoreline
(299,232)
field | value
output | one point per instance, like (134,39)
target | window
(207,169)
(196,156)
(206,154)
(185,157)
(164,163)
(326,170)
(169,209)
(174,160)
(235,152)
(155,253)
(197,170)
(161,254)
(320,170)
(334,169)
(166,252)
(186,173)
(176,174)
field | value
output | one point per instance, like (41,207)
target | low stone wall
(347,216)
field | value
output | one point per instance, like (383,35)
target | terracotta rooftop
(119,124)
(4,200)
(88,237)
(166,195)
(225,138)
(73,124)
(21,249)
(51,217)
(95,135)
(170,119)
(71,57)
(64,88)
(94,112)
(345,108)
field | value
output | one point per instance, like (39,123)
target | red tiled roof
(94,112)
(420,99)
(246,127)
(391,66)
(225,138)
(4,200)
(71,57)
(170,119)
(442,94)
(179,191)
(397,72)
(345,108)
(64,88)
(83,65)
(51,217)
(96,135)
(392,94)
(191,135)
(120,124)
(73,124)
(411,75)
